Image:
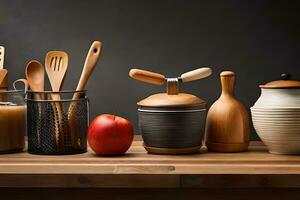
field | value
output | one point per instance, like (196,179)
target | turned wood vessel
(227,127)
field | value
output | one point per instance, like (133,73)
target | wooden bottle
(227,126)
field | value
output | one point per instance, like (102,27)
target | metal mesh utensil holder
(57,127)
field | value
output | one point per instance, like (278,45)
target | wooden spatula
(56,64)
(56,67)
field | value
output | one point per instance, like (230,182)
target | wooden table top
(137,161)
(18,167)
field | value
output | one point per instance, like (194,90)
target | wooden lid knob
(227,73)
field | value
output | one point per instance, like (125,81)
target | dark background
(258,40)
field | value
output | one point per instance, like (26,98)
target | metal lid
(177,100)
(281,84)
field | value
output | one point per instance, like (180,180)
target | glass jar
(12,121)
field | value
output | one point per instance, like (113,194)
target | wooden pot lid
(166,100)
(281,84)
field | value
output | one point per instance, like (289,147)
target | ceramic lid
(177,100)
(280,84)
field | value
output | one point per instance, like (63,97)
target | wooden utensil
(3,84)
(56,64)
(3,75)
(2,51)
(227,127)
(35,75)
(3,72)
(89,65)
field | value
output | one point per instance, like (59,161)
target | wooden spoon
(56,64)
(89,65)
(35,75)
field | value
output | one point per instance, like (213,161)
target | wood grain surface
(137,169)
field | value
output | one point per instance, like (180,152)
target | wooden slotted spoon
(56,64)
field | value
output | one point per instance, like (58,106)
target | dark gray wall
(257,39)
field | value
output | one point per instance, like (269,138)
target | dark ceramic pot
(172,128)
(177,128)
(171,122)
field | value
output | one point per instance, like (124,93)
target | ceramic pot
(172,122)
(276,116)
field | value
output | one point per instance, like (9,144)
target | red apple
(110,135)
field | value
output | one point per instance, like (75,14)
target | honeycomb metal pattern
(47,136)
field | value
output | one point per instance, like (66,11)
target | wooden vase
(227,126)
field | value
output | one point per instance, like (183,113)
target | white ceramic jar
(276,116)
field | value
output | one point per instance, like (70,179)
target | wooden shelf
(256,168)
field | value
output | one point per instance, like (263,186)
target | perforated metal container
(57,127)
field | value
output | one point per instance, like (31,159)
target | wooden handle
(89,65)
(3,79)
(227,82)
(2,51)
(146,76)
(196,74)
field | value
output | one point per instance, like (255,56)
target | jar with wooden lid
(171,122)
(276,115)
